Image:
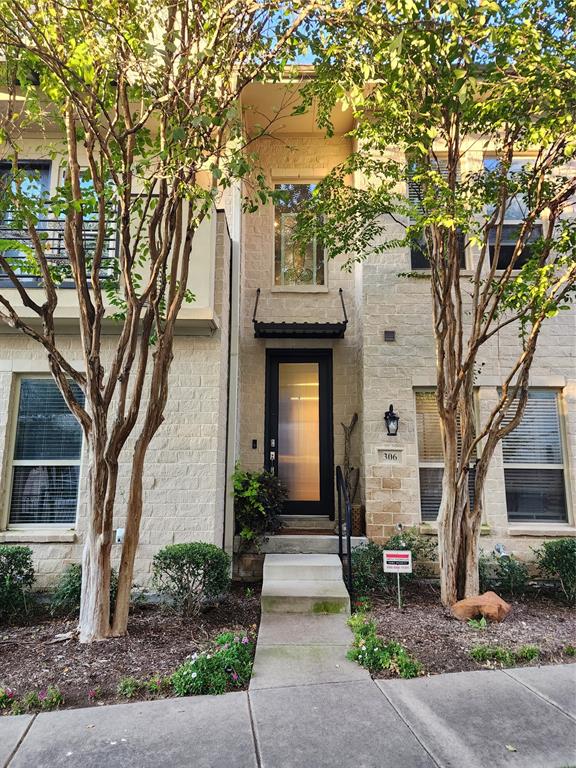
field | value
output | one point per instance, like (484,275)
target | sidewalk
(523,717)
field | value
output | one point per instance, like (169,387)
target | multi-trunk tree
(435,83)
(145,94)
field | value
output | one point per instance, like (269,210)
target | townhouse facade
(280,350)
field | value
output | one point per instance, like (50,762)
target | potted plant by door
(351,479)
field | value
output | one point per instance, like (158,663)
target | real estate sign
(397,561)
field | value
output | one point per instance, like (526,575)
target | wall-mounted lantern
(392,420)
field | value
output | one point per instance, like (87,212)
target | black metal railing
(51,233)
(345,552)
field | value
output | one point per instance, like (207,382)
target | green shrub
(258,501)
(557,560)
(189,575)
(66,598)
(505,574)
(374,653)
(570,650)
(227,666)
(367,561)
(129,687)
(16,580)
(503,656)
(511,575)
(486,567)
(367,569)
(527,653)
(483,653)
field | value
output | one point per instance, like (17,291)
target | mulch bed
(157,642)
(442,643)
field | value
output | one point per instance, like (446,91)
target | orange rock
(489,605)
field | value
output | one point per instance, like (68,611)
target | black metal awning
(282,330)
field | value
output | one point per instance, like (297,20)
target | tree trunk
(448,548)
(131,539)
(94,621)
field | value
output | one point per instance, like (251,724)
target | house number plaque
(390,456)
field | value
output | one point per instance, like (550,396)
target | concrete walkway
(524,718)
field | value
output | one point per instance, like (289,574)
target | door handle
(272,456)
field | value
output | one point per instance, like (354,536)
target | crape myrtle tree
(146,96)
(432,82)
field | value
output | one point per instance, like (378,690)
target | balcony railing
(51,232)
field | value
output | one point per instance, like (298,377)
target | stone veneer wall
(291,160)
(392,371)
(184,481)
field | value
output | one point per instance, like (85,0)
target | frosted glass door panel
(299,430)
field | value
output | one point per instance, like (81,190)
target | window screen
(46,461)
(534,462)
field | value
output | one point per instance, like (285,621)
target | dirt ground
(442,643)
(157,643)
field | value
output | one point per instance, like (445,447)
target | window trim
(564,446)
(10,463)
(291,287)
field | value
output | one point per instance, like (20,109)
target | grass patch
(375,654)
(504,656)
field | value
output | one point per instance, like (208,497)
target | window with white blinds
(418,250)
(534,462)
(431,457)
(46,459)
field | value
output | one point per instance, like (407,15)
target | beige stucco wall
(289,160)
(184,482)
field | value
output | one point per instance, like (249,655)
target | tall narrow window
(534,463)
(516,211)
(419,249)
(46,460)
(431,457)
(294,263)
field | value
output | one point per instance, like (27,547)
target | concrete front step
(300,567)
(324,545)
(300,596)
(320,522)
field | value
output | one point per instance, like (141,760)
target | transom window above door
(295,264)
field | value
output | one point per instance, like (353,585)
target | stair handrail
(344,505)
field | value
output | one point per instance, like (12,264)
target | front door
(299,428)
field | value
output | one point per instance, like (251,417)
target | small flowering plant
(374,653)
(226,666)
(7,696)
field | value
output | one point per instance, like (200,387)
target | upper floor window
(514,215)
(46,458)
(431,456)
(534,462)
(295,264)
(34,180)
(419,250)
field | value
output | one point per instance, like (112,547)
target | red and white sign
(397,561)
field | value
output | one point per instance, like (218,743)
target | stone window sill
(299,289)
(45,536)
(431,529)
(542,529)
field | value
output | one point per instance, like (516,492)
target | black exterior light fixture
(392,420)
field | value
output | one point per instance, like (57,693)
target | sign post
(398,561)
